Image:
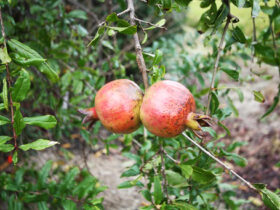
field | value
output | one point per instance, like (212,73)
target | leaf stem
(9,82)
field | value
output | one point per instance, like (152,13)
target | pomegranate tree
(117,106)
(168,108)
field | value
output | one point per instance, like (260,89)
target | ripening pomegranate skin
(117,106)
(168,109)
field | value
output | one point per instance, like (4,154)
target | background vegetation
(56,54)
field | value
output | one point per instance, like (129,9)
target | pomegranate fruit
(168,109)
(117,106)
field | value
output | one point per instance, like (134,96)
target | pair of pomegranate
(166,110)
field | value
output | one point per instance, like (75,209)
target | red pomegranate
(117,106)
(168,109)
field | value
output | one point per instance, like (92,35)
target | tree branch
(9,82)
(139,56)
(220,162)
(149,23)
(220,48)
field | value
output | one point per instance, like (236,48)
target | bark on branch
(139,56)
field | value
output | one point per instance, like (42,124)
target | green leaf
(203,176)
(46,69)
(274,104)
(233,108)
(39,144)
(128,184)
(44,172)
(22,49)
(26,52)
(270,199)
(77,14)
(6,147)
(133,171)
(22,61)
(125,30)
(214,103)
(4,56)
(184,206)
(158,57)
(4,139)
(19,124)
(166,4)
(174,179)
(21,87)
(231,72)
(69,205)
(187,170)
(112,17)
(4,120)
(238,35)
(157,25)
(145,38)
(97,36)
(5,94)
(2,106)
(235,157)
(158,195)
(256,8)
(259,96)
(45,121)
(15,157)
(147,195)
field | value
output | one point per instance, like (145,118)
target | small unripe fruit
(117,106)
(168,109)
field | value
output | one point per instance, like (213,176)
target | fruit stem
(91,116)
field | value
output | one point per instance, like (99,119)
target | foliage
(50,188)
(56,67)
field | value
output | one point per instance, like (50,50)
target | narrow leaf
(45,121)
(4,139)
(158,195)
(5,94)
(39,144)
(259,96)
(4,56)
(6,147)
(4,120)
(21,87)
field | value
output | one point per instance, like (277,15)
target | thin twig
(220,48)
(139,56)
(220,162)
(149,23)
(171,158)
(119,14)
(9,82)
(164,182)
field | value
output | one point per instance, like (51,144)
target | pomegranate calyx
(196,121)
(91,115)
